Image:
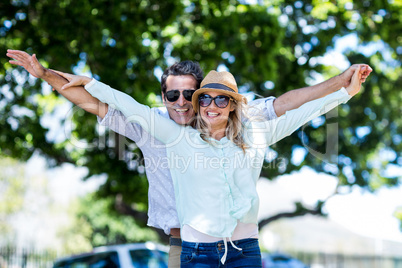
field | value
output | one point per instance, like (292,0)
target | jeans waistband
(242,243)
(173,241)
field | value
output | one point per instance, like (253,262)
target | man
(178,83)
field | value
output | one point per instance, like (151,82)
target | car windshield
(99,260)
(144,258)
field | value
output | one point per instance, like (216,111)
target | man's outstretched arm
(295,98)
(77,95)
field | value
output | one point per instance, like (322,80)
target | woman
(215,166)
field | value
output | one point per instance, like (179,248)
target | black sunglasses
(174,95)
(221,101)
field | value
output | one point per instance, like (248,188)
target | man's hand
(356,82)
(30,63)
(73,80)
(346,76)
(77,95)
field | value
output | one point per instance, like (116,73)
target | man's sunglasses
(174,95)
(221,101)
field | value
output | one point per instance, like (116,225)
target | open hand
(30,63)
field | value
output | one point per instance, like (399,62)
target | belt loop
(196,248)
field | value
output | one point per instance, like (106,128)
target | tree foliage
(93,224)
(12,190)
(271,47)
(398,215)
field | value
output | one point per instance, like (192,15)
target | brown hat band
(218,86)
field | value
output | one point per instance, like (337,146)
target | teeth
(212,114)
(181,110)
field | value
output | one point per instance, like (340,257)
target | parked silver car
(139,255)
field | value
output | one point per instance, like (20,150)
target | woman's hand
(346,76)
(73,80)
(356,83)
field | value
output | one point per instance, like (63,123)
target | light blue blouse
(215,184)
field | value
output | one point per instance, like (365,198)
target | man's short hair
(186,67)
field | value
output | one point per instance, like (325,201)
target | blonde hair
(234,129)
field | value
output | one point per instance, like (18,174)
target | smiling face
(215,117)
(181,110)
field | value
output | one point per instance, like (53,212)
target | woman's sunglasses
(221,101)
(174,95)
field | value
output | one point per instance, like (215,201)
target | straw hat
(221,82)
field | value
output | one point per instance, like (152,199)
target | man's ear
(163,98)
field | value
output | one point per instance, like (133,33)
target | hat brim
(238,97)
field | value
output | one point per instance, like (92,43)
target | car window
(144,258)
(98,260)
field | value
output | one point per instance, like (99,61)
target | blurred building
(317,234)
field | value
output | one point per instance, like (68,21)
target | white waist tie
(242,231)
(223,259)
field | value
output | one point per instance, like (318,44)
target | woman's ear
(232,106)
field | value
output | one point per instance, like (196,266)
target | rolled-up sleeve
(262,107)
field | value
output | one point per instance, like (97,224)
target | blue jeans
(202,255)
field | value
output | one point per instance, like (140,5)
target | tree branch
(299,211)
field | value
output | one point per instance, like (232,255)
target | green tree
(398,215)
(271,47)
(12,190)
(93,224)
